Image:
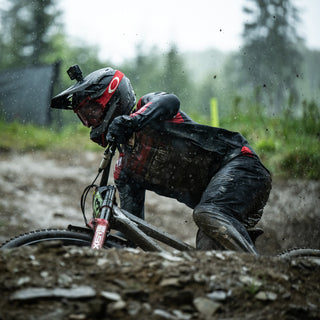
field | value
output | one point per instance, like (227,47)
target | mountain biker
(212,170)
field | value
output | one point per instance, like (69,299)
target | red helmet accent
(112,87)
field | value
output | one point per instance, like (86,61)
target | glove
(120,129)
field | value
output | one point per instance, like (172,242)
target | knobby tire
(300,253)
(65,237)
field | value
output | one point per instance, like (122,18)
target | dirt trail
(43,189)
(40,190)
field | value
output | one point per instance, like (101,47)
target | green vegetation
(27,137)
(288,146)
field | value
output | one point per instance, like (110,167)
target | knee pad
(203,242)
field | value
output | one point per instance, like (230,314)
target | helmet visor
(90,112)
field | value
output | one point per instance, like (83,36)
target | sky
(117,27)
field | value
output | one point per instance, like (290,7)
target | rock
(250,281)
(199,277)
(170,282)
(112,296)
(115,306)
(134,308)
(266,295)
(64,280)
(181,315)
(206,306)
(220,256)
(44,274)
(102,262)
(38,293)
(23,280)
(316,261)
(170,257)
(218,295)
(161,314)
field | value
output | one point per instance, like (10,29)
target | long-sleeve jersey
(171,154)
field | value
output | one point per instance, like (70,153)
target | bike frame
(136,230)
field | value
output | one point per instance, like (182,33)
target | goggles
(92,111)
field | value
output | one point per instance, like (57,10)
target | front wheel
(65,237)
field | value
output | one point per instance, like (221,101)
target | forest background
(268,89)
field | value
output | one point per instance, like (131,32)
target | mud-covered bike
(112,227)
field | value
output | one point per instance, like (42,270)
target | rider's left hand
(120,129)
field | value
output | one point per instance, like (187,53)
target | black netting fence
(25,93)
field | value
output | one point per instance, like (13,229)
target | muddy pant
(232,202)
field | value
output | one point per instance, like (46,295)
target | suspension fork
(102,224)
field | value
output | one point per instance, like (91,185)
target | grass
(284,146)
(27,137)
(289,147)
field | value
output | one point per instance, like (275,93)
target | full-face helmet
(97,99)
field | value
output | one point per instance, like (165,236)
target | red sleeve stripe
(246,151)
(139,104)
(177,118)
(141,110)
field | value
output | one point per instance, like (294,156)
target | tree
(28,27)
(175,78)
(151,72)
(33,35)
(270,55)
(144,71)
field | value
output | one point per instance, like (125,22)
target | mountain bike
(112,227)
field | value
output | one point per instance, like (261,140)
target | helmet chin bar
(98,134)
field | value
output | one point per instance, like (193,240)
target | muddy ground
(42,189)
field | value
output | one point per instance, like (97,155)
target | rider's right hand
(120,130)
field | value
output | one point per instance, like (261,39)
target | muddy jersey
(171,154)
